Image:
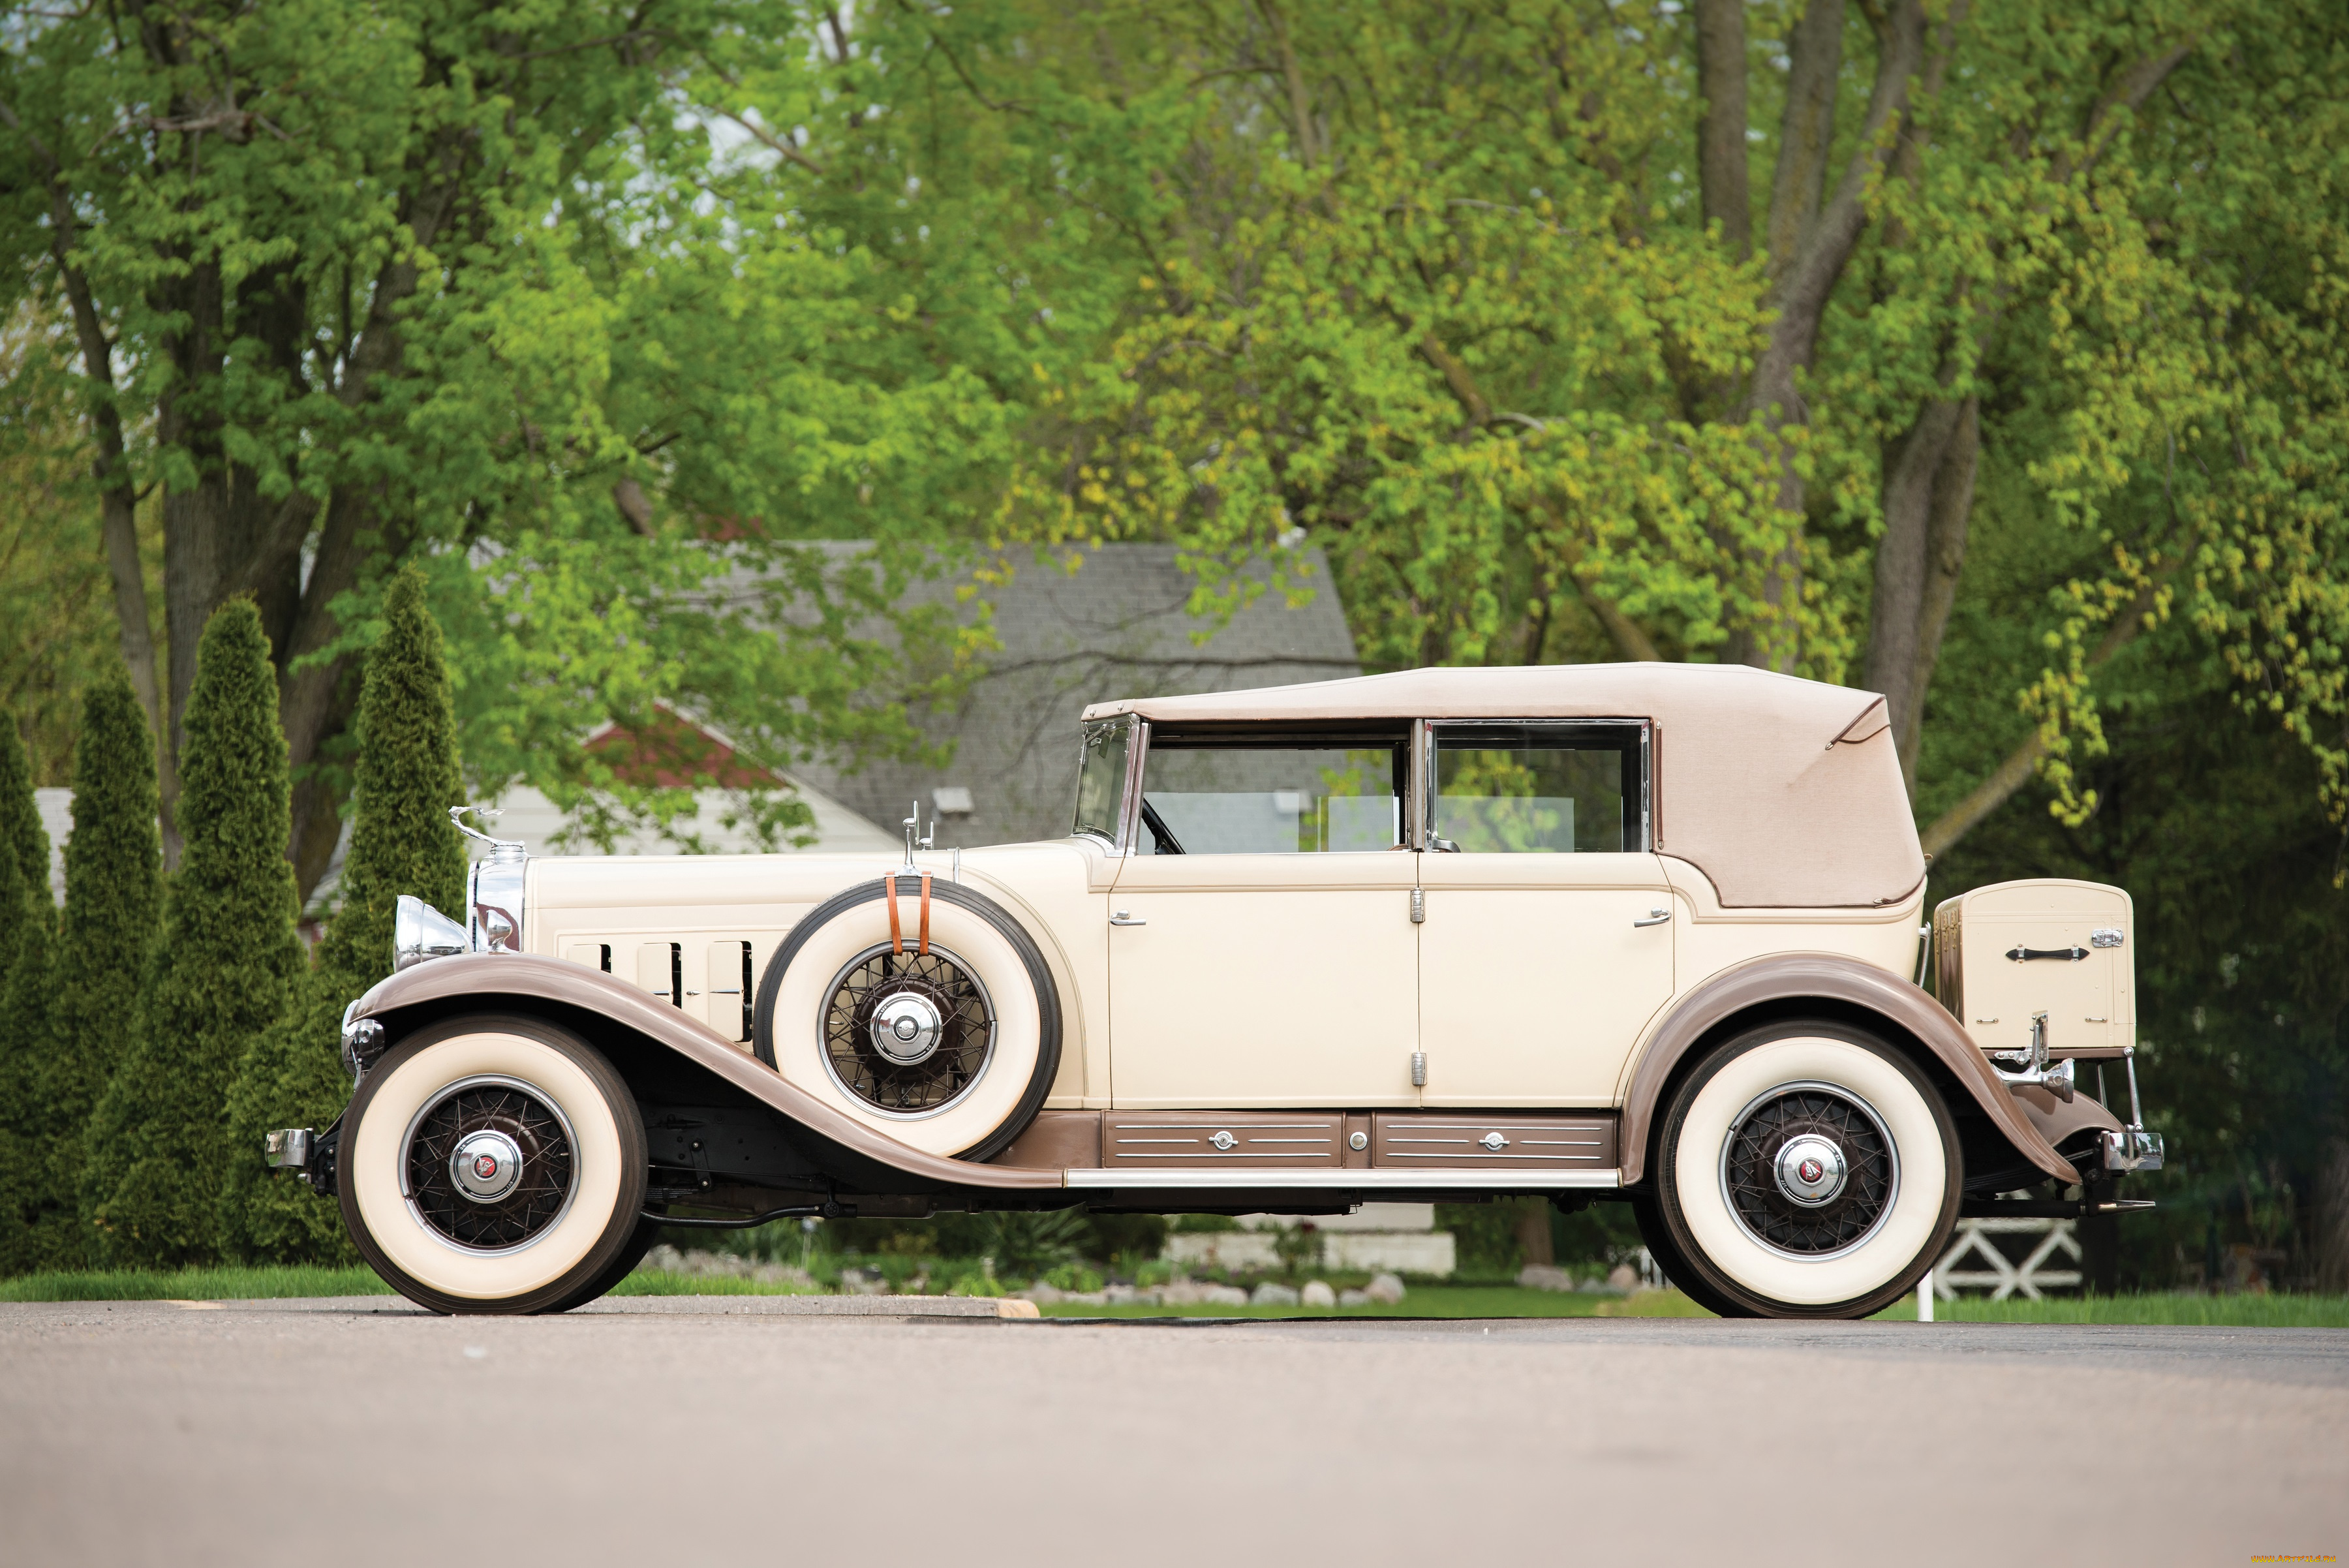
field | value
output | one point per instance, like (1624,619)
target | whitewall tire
(1805,1170)
(492,1164)
(948,1046)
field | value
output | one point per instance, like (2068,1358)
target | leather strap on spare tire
(890,889)
(897,934)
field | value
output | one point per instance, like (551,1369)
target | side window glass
(1536,789)
(1301,795)
(1100,776)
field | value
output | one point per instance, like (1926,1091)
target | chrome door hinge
(1419,1069)
(1418,906)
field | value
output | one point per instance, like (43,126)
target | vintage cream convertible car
(1636,933)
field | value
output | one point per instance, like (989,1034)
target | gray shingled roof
(1117,627)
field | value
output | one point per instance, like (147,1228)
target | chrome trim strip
(1258,1178)
(1219,1155)
(1432,1154)
(1219,1127)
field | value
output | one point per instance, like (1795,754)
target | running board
(1267,1178)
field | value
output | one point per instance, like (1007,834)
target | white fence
(1977,1262)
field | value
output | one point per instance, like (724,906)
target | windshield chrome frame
(1129,793)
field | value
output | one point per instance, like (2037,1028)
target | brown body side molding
(494,978)
(1825,977)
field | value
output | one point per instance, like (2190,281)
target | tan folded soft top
(1786,793)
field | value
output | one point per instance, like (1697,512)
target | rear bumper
(2131,1148)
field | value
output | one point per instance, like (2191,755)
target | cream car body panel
(636,907)
(1536,980)
(1264,981)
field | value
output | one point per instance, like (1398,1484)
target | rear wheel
(1804,1170)
(493,1164)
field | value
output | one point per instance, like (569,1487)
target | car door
(1547,942)
(1262,950)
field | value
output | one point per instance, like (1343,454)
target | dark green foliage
(401,842)
(224,973)
(2204,816)
(1490,1238)
(28,924)
(114,907)
(2242,975)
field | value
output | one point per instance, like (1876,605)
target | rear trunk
(2015,951)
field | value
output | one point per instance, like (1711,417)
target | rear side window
(1271,795)
(1538,789)
(1100,776)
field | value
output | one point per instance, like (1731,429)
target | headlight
(420,931)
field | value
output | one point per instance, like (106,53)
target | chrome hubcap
(485,1164)
(906,1028)
(1810,1170)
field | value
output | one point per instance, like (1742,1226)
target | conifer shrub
(401,842)
(26,926)
(224,973)
(114,908)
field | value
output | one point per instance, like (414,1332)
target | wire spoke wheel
(1809,1170)
(909,1033)
(490,1165)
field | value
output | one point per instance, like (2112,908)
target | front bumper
(309,1154)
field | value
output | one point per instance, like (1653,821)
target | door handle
(1655,917)
(1123,918)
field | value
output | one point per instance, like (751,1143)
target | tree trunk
(1805,131)
(1927,497)
(118,495)
(2332,1249)
(1807,276)
(1533,1232)
(1721,129)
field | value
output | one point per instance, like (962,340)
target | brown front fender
(496,979)
(1777,985)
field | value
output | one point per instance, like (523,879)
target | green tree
(401,842)
(114,903)
(28,924)
(224,973)
(352,282)
(1578,330)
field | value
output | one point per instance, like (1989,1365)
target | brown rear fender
(1779,986)
(512,981)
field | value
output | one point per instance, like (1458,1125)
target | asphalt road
(364,1432)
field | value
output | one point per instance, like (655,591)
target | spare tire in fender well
(1047,1065)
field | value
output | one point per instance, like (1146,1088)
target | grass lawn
(194,1284)
(1424,1301)
(2163,1306)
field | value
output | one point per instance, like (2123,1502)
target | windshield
(1101,777)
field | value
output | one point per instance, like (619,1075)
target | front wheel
(493,1164)
(1805,1170)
